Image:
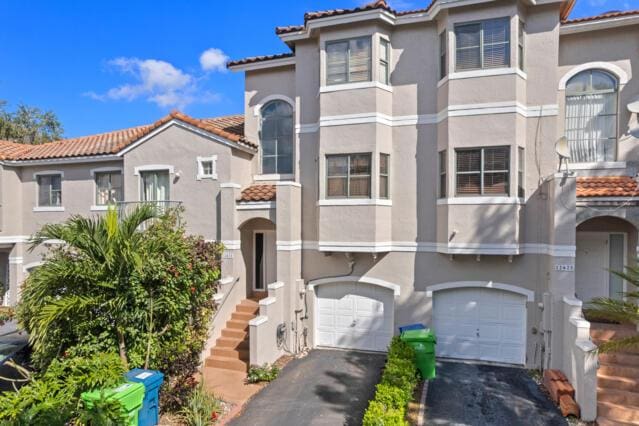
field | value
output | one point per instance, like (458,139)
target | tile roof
(607,186)
(254,59)
(607,15)
(229,127)
(378,4)
(259,192)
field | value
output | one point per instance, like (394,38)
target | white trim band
(255,205)
(529,294)
(355,202)
(480,200)
(355,279)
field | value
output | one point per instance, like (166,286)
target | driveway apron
(468,394)
(327,387)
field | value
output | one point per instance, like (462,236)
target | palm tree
(625,311)
(84,279)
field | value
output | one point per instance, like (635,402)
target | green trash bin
(423,341)
(129,394)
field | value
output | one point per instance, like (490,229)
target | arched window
(277,138)
(591,116)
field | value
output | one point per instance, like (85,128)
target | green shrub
(201,408)
(379,415)
(390,396)
(264,373)
(53,397)
(395,391)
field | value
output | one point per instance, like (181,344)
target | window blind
(483,44)
(348,61)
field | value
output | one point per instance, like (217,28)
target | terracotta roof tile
(607,186)
(229,127)
(254,59)
(607,15)
(259,193)
(378,4)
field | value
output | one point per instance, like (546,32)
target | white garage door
(480,324)
(354,316)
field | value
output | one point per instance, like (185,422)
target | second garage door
(354,316)
(480,324)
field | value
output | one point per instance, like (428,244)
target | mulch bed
(413,408)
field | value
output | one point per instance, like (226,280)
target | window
(384,173)
(108,187)
(442,174)
(520,44)
(482,45)
(207,167)
(443,61)
(348,176)
(49,190)
(384,59)
(348,61)
(521,177)
(277,138)
(483,171)
(591,116)
(155,186)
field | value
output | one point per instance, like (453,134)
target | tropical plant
(625,311)
(145,292)
(201,408)
(53,397)
(264,373)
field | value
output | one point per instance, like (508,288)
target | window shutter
(359,66)
(468,46)
(496,43)
(337,62)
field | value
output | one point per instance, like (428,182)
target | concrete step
(231,343)
(616,396)
(618,370)
(237,324)
(226,363)
(242,316)
(619,413)
(241,354)
(250,302)
(602,421)
(626,359)
(234,333)
(248,309)
(616,382)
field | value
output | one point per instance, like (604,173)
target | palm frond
(628,343)
(613,309)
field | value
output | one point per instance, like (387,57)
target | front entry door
(265,260)
(599,253)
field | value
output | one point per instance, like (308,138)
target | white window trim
(355,202)
(153,168)
(615,70)
(274,176)
(200,168)
(354,86)
(480,200)
(257,110)
(458,75)
(105,170)
(39,208)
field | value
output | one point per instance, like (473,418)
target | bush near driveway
(145,294)
(395,390)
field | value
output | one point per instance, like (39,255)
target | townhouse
(391,168)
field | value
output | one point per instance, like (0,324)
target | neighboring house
(395,167)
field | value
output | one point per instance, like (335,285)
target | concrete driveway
(327,387)
(467,394)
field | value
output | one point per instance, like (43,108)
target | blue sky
(109,64)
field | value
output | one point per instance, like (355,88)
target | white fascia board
(255,205)
(580,27)
(265,64)
(186,126)
(68,160)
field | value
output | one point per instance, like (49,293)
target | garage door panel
(478,323)
(362,316)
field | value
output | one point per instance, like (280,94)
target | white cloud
(156,81)
(213,59)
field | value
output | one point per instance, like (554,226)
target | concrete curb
(421,419)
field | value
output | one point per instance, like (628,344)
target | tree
(625,311)
(29,125)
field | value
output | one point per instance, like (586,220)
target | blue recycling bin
(417,326)
(149,414)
